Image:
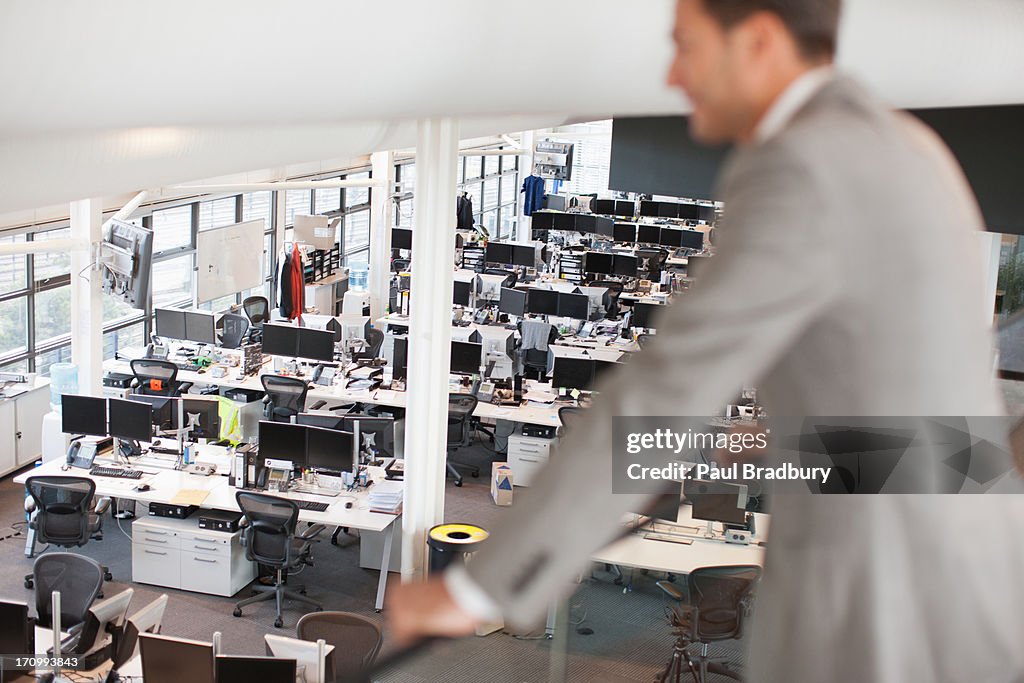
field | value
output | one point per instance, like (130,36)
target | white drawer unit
(527,455)
(176,553)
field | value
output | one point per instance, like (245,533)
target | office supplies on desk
(116,472)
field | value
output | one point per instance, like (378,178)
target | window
(327,199)
(297,202)
(45,360)
(172,281)
(217,213)
(13,269)
(492,165)
(357,231)
(52,264)
(172,229)
(357,196)
(257,205)
(123,338)
(490,194)
(52,314)
(13,325)
(407,177)
(474,167)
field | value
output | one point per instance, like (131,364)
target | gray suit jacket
(847,282)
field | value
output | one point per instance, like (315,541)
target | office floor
(630,639)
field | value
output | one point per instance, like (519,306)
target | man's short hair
(814,24)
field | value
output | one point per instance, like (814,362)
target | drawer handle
(202,539)
(200,559)
(156,533)
(153,552)
(525,459)
(155,540)
(203,547)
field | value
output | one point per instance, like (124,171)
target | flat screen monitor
(200,327)
(17,634)
(671,237)
(668,210)
(374,430)
(83,415)
(401,238)
(604,227)
(542,302)
(321,420)
(689,212)
(524,255)
(280,340)
(624,233)
(173,660)
(665,507)
(170,323)
(400,358)
(605,207)
(645,315)
(203,414)
(625,208)
(573,373)
(585,223)
(556,202)
(574,306)
(599,262)
(249,669)
(624,265)
(282,441)
(163,409)
(542,220)
(648,234)
(130,420)
(692,239)
(649,208)
(466,357)
(328,449)
(461,293)
(717,501)
(513,302)
(564,221)
(498,252)
(603,366)
(316,344)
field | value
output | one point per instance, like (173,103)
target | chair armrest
(183,387)
(134,384)
(30,504)
(102,505)
(311,532)
(318,405)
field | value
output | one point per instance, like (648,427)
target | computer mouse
(348,505)
(143,487)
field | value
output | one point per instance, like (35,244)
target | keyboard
(313,505)
(668,539)
(116,473)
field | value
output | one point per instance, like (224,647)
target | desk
(165,484)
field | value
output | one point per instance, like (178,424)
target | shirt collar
(792,100)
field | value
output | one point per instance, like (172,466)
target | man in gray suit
(839,288)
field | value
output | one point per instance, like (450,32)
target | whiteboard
(229,260)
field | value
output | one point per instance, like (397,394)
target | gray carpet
(631,639)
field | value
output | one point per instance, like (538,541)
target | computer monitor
(130,420)
(645,315)
(173,660)
(665,507)
(203,414)
(17,634)
(146,620)
(400,358)
(462,292)
(328,449)
(605,207)
(603,366)
(573,306)
(489,285)
(306,655)
(625,265)
(689,212)
(170,323)
(624,233)
(717,501)
(692,239)
(163,409)
(542,302)
(102,619)
(280,340)
(466,357)
(599,262)
(282,441)
(648,234)
(315,344)
(401,238)
(564,221)
(542,220)
(324,420)
(377,430)
(200,327)
(248,669)
(83,415)
(585,223)
(556,202)
(498,252)
(649,208)
(513,302)
(573,373)
(625,207)
(524,255)
(671,237)
(668,210)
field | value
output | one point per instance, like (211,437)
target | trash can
(452,542)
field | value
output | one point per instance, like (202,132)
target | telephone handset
(80,454)
(324,375)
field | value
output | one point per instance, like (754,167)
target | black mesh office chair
(460,413)
(77,578)
(270,539)
(570,417)
(257,310)
(63,512)
(652,262)
(156,377)
(356,640)
(235,329)
(713,608)
(286,397)
(614,290)
(510,277)
(374,341)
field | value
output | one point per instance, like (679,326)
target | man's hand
(423,610)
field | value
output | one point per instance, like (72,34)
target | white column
(528,139)
(382,219)
(281,199)
(430,333)
(87,297)
(991,245)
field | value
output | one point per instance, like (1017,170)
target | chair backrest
(719,594)
(614,290)
(510,276)
(287,396)
(63,505)
(257,309)
(270,529)
(77,578)
(374,341)
(235,329)
(570,417)
(400,264)
(356,639)
(460,409)
(156,377)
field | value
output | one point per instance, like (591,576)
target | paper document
(189,497)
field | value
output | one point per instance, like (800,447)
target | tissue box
(501,483)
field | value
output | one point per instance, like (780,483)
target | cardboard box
(501,483)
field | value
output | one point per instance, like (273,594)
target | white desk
(608,354)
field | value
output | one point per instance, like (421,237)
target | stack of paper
(386,496)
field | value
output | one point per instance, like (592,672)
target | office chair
(614,290)
(235,329)
(356,639)
(155,377)
(257,310)
(570,417)
(270,539)
(510,276)
(374,341)
(652,262)
(713,608)
(62,512)
(460,413)
(286,397)
(400,265)
(76,577)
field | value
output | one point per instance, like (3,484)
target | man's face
(713,67)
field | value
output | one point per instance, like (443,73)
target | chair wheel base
(29,584)
(237,612)
(459,483)
(107,576)
(278,623)
(475,474)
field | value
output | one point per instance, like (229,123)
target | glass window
(54,263)
(356,196)
(473,189)
(407,176)
(509,163)
(172,281)
(13,267)
(172,228)
(53,314)
(507,221)
(509,189)
(490,194)
(267,256)
(474,167)
(116,309)
(327,199)
(404,213)
(256,205)
(490,221)
(492,165)
(119,340)
(218,305)
(296,202)
(357,231)
(17,366)
(217,213)
(461,166)
(45,360)
(358,257)
(13,325)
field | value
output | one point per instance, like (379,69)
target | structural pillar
(430,334)
(87,296)
(990,246)
(382,219)
(524,229)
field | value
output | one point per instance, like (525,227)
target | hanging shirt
(464,213)
(285,287)
(298,289)
(533,188)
